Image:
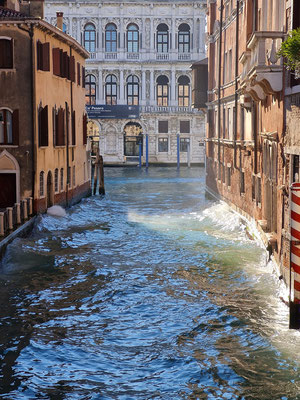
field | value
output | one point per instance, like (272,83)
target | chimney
(59,20)
(11,4)
(36,8)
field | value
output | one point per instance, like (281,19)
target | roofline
(44,25)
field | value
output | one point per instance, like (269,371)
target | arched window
(42,184)
(111,90)
(132,38)
(132,90)
(61,179)
(111,38)
(162,38)
(90,38)
(56,180)
(184,42)
(162,90)
(90,90)
(6,131)
(6,52)
(184,91)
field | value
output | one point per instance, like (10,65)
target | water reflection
(153,292)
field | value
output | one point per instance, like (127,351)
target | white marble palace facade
(141,52)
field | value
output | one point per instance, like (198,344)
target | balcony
(184,56)
(262,70)
(111,56)
(162,56)
(133,56)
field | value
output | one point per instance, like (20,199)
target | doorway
(8,192)
(49,190)
(133,136)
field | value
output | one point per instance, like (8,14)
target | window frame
(4,63)
(133,95)
(162,39)
(184,98)
(89,37)
(111,85)
(42,184)
(163,142)
(183,144)
(90,85)
(111,38)
(184,46)
(133,43)
(162,91)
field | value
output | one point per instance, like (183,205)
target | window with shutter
(6,53)
(78,74)
(73,129)
(43,126)
(72,68)
(60,131)
(84,129)
(162,126)
(56,61)
(54,125)
(46,56)
(39,55)
(43,60)
(83,77)
(6,127)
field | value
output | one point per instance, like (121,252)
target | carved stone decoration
(74,27)
(110,140)
(147,32)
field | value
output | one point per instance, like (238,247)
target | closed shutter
(73,129)
(56,61)
(60,128)
(65,63)
(15,127)
(46,57)
(72,69)
(162,126)
(78,74)
(54,124)
(84,128)
(44,126)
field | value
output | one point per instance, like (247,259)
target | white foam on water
(56,211)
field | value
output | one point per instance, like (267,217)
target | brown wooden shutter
(162,126)
(83,77)
(39,55)
(46,56)
(15,127)
(84,128)
(60,128)
(54,124)
(73,128)
(72,68)
(44,126)
(2,53)
(184,126)
(78,74)
(56,61)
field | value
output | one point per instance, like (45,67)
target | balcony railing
(184,56)
(92,56)
(133,56)
(162,56)
(111,56)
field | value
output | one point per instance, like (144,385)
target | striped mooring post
(295,257)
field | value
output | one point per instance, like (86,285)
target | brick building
(43,150)
(245,130)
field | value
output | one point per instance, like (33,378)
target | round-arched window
(111,38)
(90,38)
(162,84)
(184,38)
(132,38)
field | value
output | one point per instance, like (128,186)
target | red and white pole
(295,256)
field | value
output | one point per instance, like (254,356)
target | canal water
(153,292)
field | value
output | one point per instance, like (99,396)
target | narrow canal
(153,292)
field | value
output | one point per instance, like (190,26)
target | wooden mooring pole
(98,174)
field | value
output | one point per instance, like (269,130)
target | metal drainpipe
(219,77)
(71,94)
(236,79)
(32,93)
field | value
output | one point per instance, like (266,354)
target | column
(201,35)
(100,99)
(173,88)
(173,32)
(151,36)
(143,88)
(99,48)
(122,100)
(122,34)
(152,97)
(78,31)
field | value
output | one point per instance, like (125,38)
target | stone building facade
(43,135)
(253,115)
(140,54)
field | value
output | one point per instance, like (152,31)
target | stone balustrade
(12,217)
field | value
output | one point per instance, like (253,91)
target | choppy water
(153,292)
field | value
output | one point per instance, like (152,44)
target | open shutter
(39,55)
(72,68)
(83,77)
(46,57)
(54,125)
(60,128)
(56,61)
(84,128)
(44,126)
(73,129)
(78,74)
(15,127)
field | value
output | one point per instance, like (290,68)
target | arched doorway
(133,136)
(9,180)
(49,190)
